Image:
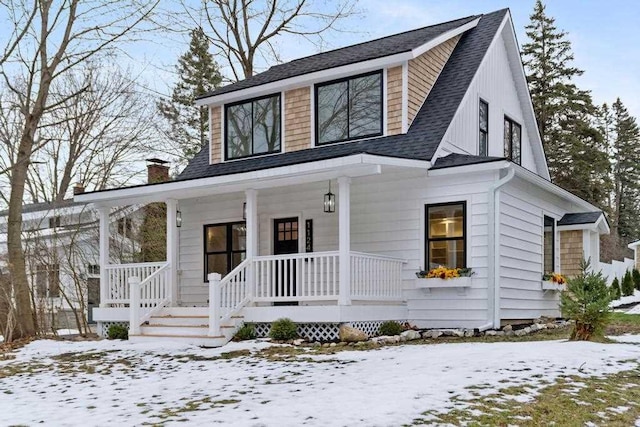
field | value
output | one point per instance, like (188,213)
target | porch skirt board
(103,327)
(323,332)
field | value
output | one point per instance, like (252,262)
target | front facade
(331,180)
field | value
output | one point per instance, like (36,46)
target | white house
(428,140)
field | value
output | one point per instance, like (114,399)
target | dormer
(365,91)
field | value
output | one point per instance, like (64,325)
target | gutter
(493,274)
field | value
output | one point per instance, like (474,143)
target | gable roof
(373,49)
(425,133)
(456,159)
(45,206)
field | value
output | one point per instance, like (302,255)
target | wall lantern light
(244,210)
(329,201)
(178,219)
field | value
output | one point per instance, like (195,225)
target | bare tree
(242,31)
(51,39)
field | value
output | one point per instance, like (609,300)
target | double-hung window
(225,246)
(252,127)
(483,131)
(349,109)
(549,243)
(446,235)
(512,140)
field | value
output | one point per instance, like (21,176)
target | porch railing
(375,277)
(148,296)
(296,277)
(117,288)
(227,296)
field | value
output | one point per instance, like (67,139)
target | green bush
(614,290)
(246,332)
(636,278)
(586,302)
(283,330)
(627,284)
(118,332)
(390,328)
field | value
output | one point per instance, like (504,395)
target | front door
(285,241)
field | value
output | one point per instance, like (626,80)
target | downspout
(493,240)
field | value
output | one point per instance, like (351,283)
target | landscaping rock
(499,333)
(411,335)
(315,344)
(469,333)
(299,341)
(520,333)
(527,330)
(351,334)
(491,333)
(507,328)
(333,344)
(434,333)
(325,345)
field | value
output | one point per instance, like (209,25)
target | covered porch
(327,273)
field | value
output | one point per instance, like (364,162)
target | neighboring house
(428,140)
(60,241)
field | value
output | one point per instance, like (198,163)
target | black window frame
(229,252)
(481,131)
(509,155)
(553,243)
(55,221)
(347,79)
(427,240)
(226,128)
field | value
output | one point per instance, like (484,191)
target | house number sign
(308,244)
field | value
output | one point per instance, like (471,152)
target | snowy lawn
(255,384)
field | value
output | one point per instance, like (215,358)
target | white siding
(495,84)
(388,218)
(522,207)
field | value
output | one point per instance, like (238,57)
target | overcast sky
(603,34)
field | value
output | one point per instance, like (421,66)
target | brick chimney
(78,189)
(157,171)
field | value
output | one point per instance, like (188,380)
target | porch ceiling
(350,166)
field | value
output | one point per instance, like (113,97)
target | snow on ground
(627,300)
(112,382)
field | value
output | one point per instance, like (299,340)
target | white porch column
(252,235)
(252,222)
(172,248)
(344,239)
(103,216)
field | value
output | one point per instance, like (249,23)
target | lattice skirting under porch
(323,331)
(103,327)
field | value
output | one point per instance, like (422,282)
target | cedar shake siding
(215,114)
(297,119)
(394,100)
(423,72)
(571,252)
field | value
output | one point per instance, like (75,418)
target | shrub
(283,330)
(246,332)
(586,302)
(614,290)
(627,284)
(118,332)
(390,328)
(636,278)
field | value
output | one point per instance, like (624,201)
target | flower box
(548,285)
(455,282)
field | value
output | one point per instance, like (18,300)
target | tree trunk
(25,325)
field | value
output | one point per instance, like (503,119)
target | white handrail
(148,296)
(376,277)
(118,275)
(228,296)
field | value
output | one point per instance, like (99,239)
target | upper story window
(512,140)
(124,226)
(349,108)
(252,127)
(54,222)
(483,138)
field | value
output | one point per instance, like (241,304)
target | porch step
(179,320)
(199,340)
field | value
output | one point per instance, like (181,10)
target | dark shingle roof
(373,49)
(455,159)
(580,218)
(423,137)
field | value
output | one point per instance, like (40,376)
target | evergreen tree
(627,285)
(188,124)
(574,147)
(636,278)
(625,172)
(614,290)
